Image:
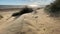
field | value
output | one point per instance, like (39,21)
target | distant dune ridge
(11,6)
(20,6)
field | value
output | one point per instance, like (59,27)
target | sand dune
(31,23)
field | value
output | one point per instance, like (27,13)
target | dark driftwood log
(23,11)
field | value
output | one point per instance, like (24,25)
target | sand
(30,23)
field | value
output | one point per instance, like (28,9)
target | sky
(25,2)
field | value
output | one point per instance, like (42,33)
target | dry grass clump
(1,17)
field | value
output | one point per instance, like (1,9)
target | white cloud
(41,2)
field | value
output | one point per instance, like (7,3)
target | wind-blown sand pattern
(30,23)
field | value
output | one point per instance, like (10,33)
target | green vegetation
(54,8)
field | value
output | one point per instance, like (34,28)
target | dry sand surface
(31,23)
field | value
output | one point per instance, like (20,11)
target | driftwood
(23,11)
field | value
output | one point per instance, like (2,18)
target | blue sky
(24,2)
